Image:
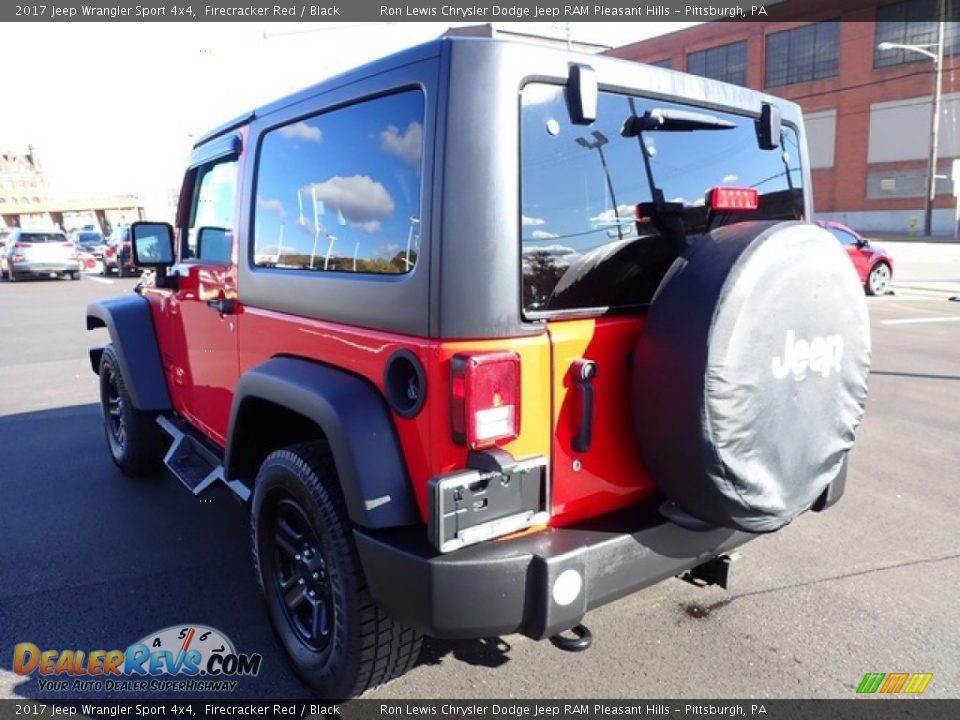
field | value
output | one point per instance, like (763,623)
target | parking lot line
(912,321)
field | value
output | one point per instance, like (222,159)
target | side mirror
(214,245)
(152,244)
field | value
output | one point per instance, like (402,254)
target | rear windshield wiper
(663,120)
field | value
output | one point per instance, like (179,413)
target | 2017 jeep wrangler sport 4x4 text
(487,336)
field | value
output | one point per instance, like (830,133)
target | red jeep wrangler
(487,336)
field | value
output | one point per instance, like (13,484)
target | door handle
(224,306)
(582,373)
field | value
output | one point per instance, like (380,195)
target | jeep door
(204,303)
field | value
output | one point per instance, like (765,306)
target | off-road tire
(137,443)
(365,646)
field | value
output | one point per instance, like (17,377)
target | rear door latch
(582,373)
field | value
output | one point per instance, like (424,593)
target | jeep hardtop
(486,336)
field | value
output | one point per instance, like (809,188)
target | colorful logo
(894,683)
(190,651)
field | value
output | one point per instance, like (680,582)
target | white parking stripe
(911,321)
(99,279)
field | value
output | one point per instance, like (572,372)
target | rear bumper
(497,588)
(44,268)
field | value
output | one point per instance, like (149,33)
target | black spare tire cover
(750,374)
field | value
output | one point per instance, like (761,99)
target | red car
(873,264)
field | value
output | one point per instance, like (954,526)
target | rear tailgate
(608,472)
(606,210)
(47,249)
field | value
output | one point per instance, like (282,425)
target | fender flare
(353,416)
(130,323)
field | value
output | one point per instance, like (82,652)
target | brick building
(867,111)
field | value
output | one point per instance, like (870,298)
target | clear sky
(113,107)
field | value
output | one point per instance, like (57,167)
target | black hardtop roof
(403,57)
(436,47)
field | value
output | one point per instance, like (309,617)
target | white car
(39,253)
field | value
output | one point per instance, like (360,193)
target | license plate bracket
(480,503)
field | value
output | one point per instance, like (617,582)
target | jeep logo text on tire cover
(821,355)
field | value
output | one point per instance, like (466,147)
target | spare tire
(750,373)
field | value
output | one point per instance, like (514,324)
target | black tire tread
(387,648)
(145,451)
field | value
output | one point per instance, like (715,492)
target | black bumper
(497,588)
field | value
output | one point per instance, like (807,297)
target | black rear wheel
(338,640)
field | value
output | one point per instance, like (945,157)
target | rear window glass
(89,237)
(583,248)
(42,237)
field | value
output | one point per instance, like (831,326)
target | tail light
(22,245)
(126,246)
(67,244)
(485,398)
(733,198)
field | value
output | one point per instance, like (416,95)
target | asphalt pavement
(92,560)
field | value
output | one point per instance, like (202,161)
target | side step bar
(195,464)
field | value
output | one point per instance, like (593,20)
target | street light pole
(599,141)
(934,133)
(937,56)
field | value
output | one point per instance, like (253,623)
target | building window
(726,62)
(913,23)
(340,191)
(803,54)
(666,63)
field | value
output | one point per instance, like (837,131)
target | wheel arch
(130,325)
(286,400)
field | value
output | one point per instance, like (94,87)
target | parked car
(464,392)
(873,264)
(40,252)
(117,256)
(90,241)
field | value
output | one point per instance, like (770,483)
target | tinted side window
(842,235)
(582,246)
(340,191)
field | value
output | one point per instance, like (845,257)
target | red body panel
(426,439)
(611,473)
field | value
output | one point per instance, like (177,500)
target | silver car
(39,252)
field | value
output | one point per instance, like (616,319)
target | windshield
(583,248)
